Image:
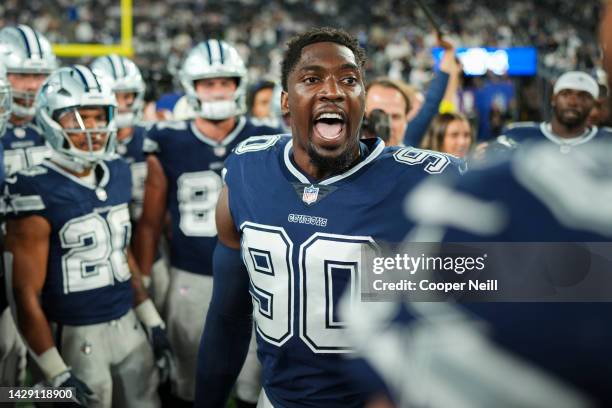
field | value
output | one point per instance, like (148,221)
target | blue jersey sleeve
(21,197)
(150,143)
(227,331)
(450,210)
(416,129)
(235,170)
(231,176)
(156,134)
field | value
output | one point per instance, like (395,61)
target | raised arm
(417,127)
(227,331)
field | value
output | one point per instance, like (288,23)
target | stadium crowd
(395,34)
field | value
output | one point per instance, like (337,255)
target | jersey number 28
(97,248)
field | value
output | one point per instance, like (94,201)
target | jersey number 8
(197,197)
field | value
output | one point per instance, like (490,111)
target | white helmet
(6,100)
(65,92)
(123,76)
(214,59)
(25,51)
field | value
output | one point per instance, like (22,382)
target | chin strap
(217,110)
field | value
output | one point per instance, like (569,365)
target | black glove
(83,395)
(162,352)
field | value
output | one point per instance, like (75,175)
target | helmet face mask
(76,111)
(25,52)
(208,60)
(86,131)
(123,76)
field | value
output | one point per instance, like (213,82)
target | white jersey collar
(227,140)
(303,179)
(588,134)
(84,183)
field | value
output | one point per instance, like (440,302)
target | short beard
(572,124)
(329,166)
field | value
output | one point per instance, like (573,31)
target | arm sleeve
(418,126)
(227,331)
(21,199)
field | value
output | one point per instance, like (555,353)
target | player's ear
(284,103)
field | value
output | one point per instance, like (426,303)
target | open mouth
(573,112)
(29,102)
(329,125)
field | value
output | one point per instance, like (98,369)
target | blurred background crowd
(395,33)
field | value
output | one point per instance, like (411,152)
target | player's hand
(161,351)
(444,42)
(156,333)
(83,395)
(480,151)
(449,63)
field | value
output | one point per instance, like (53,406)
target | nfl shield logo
(310,195)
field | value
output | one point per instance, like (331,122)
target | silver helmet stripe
(40,50)
(205,44)
(112,63)
(31,40)
(88,78)
(123,66)
(28,39)
(214,47)
(221,51)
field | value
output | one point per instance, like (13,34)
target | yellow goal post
(95,50)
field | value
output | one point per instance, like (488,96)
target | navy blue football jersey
(302,243)
(481,355)
(192,163)
(132,152)
(557,354)
(537,195)
(88,279)
(24,146)
(538,132)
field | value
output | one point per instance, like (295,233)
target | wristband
(148,315)
(146,281)
(51,363)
